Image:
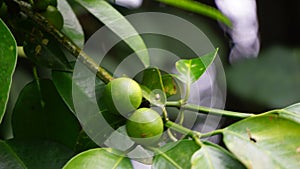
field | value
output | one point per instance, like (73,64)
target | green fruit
(54,17)
(122,96)
(145,126)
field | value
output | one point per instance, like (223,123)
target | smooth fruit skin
(54,17)
(145,126)
(122,96)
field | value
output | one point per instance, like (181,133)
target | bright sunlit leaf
(8,60)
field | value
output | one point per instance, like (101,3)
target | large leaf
(8,57)
(33,154)
(40,113)
(265,141)
(200,8)
(170,87)
(175,155)
(212,156)
(190,70)
(153,87)
(152,79)
(8,159)
(291,112)
(72,27)
(99,158)
(294,108)
(119,25)
(63,84)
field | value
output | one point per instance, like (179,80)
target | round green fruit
(122,96)
(54,17)
(145,126)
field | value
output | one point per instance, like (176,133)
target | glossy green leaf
(295,108)
(212,156)
(291,112)
(119,25)
(99,158)
(8,57)
(17,154)
(44,50)
(191,70)
(175,155)
(63,84)
(72,27)
(152,79)
(170,87)
(265,141)
(199,8)
(8,159)
(153,86)
(40,113)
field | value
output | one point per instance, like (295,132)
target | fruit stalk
(65,41)
(181,129)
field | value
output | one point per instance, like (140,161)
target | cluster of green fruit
(48,9)
(124,96)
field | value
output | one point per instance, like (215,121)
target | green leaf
(72,27)
(190,70)
(8,159)
(16,154)
(199,8)
(40,113)
(44,50)
(175,155)
(170,87)
(119,25)
(265,141)
(153,88)
(291,112)
(8,57)
(34,154)
(99,158)
(295,108)
(63,84)
(152,79)
(212,156)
